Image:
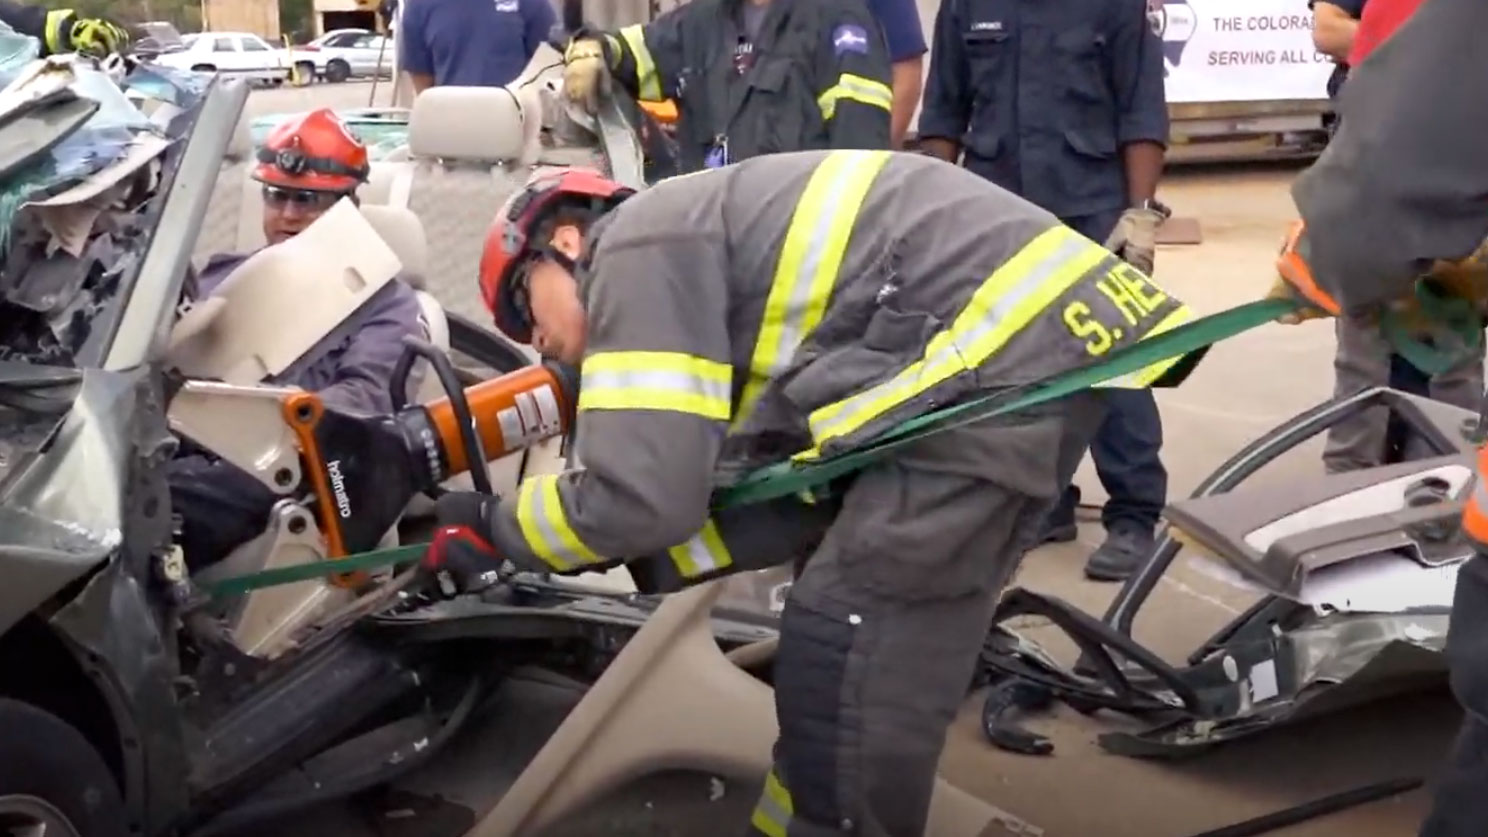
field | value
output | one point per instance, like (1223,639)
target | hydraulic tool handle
(1475,510)
(509,413)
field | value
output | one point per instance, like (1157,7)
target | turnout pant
(1366,359)
(881,631)
(1460,808)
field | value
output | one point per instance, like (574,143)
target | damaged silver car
(1354,572)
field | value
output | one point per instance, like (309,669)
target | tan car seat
(403,232)
(467,145)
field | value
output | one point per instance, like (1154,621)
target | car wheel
(337,71)
(304,73)
(52,781)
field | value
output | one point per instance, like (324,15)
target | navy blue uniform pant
(1127,448)
(220,507)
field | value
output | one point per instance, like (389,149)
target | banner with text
(1239,51)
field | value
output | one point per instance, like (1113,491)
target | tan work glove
(1135,238)
(585,73)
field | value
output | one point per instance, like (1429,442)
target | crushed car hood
(67,449)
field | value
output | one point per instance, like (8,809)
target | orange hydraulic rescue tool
(363,470)
(1475,510)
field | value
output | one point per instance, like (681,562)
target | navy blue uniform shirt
(1042,95)
(473,43)
(900,21)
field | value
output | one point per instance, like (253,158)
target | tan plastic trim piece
(658,705)
(671,700)
(283,299)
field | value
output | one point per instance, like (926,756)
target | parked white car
(236,53)
(347,53)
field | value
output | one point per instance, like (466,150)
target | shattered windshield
(87,156)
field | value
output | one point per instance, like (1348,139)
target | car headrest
(404,234)
(466,124)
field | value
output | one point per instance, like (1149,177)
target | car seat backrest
(382,182)
(467,145)
(404,233)
(220,224)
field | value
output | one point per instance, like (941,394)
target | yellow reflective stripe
(545,527)
(772,814)
(858,89)
(648,83)
(1011,298)
(703,553)
(671,381)
(1146,375)
(810,257)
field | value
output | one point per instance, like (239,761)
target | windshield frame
(153,293)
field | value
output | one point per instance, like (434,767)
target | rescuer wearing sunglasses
(306,165)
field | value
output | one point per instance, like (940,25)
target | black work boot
(1128,546)
(1059,525)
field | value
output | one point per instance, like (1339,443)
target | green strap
(787,478)
(1457,331)
(362,562)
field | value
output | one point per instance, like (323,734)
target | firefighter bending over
(800,304)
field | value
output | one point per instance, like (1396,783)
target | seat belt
(786,478)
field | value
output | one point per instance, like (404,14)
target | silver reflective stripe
(772,814)
(703,553)
(793,326)
(656,380)
(866,89)
(540,514)
(965,342)
(960,352)
(810,260)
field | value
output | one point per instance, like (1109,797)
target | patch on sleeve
(849,37)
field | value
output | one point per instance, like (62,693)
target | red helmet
(509,248)
(315,152)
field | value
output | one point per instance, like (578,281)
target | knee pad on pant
(810,668)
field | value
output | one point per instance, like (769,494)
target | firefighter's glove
(1281,289)
(1295,282)
(460,559)
(95,36)
(586,74)
(1135,238)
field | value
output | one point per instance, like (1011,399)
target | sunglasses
(278,197)
(521,299)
